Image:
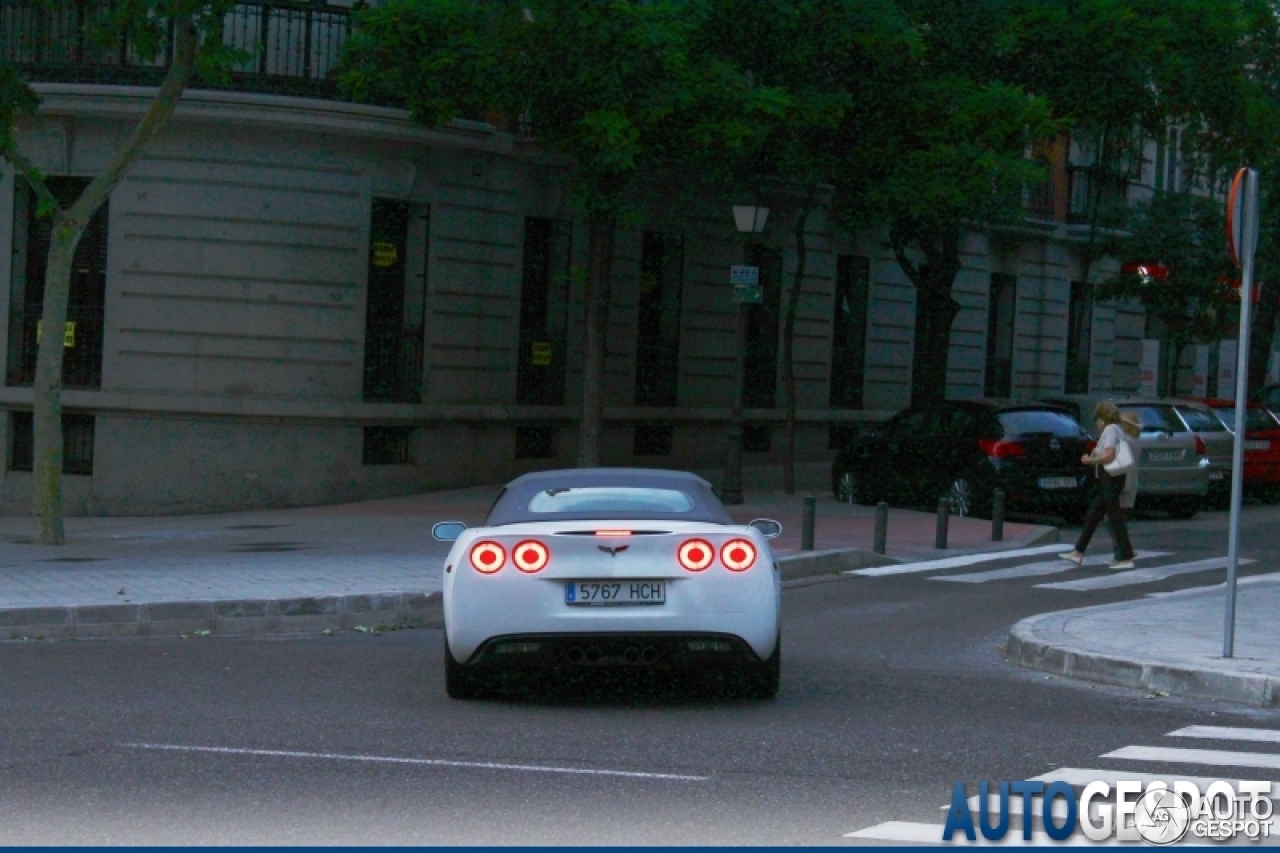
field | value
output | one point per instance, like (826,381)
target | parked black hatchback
(965,451)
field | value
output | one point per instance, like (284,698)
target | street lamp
(749,219)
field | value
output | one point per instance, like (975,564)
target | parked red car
(1261,441)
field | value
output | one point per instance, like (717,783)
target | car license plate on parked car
(1058,482)
(1165,455)
(1257,445)
(615,592)
(1217,475)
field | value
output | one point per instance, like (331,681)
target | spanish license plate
(1058,482)
(1257,445)
(1217,475)
(1165,455)
(615,592)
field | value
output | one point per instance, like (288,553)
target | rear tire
(1183,508)
(459,683)
(847,488)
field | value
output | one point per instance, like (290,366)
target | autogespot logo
(1159,814)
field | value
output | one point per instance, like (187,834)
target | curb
(1027,648)
(806,564)
(246,617)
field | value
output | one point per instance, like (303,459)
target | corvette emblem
(613,552)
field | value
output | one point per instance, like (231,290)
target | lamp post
(749,219)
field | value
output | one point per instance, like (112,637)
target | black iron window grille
(386,445)
(77,443)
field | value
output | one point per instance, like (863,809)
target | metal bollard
(806,524)
(997,516)
(944,516)
(882,526)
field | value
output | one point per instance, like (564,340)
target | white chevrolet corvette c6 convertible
(611,567)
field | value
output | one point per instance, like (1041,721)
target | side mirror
(767,526)
(448,531)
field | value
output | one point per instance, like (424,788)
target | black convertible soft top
(512,506)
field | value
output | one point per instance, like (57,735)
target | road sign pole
(1242,209)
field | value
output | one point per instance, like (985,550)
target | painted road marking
(1137,576)
(1033,569)
(1228,733)
(1215,757)
(433,762)
(954,562)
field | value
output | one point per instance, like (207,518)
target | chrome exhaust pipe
(631,655)
(593,655)
(649,655)
(574,655)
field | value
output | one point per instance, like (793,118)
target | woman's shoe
(1120,564)
(1073,557)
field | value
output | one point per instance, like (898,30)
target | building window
(849,331)
(544,306)
(82,338)
(653,440)
(1079,337)
(757,438)
(760,374)
(1001,308)
(385,445)
(535,442)
(77,443)
(393,311)
(658,320)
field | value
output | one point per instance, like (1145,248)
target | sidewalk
(1166,644)
(337,567)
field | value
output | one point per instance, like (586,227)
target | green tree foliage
(195,27)
(1183,233)
(613,86)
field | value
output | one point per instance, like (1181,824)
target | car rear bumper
(1173,482)
(594,650)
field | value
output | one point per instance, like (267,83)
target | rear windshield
(1201,420)
(610,499)
(1039,421)
(1254,419)
(1155,418)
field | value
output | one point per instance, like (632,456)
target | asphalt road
(893,690)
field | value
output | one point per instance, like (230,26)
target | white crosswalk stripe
(1037,569)
(953,562)
(908,832)
(1140,576)
(1228,733)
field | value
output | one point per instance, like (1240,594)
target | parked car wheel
(458,683)
(965,501)
(1183,508)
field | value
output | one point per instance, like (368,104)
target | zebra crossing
(944,569)
(1267,766)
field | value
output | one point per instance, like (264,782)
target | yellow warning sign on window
(68,334)
(384,254)
(541,354)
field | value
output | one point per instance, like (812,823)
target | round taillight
(487,557)
(530,556)
(696,554)
(738,555)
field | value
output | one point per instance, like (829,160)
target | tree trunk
(601,228)
(936,310)
(788,345)
(68,227)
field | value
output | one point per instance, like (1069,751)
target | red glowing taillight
(1201,448)
(738,555)
(487,557)
(999,448)
(1089,447)
(530,556)
(696,554)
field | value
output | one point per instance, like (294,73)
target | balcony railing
(82,342)
(293,48)
(393,364)
(1038,200)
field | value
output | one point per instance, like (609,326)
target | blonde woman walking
(1115,466)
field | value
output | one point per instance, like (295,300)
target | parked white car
(611,567)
